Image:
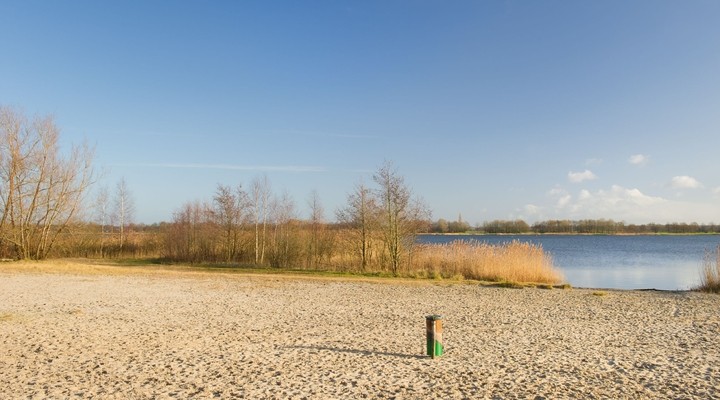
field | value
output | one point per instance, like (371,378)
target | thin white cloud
(564,201)
(619,197)
(269,168)
(577,177)
(556,192)
(325,134)
(532,209)
(685,182)
(638,159)
(630,205)
(634,196)
(617,203)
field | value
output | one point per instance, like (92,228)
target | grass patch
(710,272)
(135,267)
(599,293)
(545,286)
(510,285)
(4,317)
(139,262)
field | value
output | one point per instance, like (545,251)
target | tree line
(585,226)
(375,229)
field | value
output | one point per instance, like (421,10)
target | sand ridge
(235,336)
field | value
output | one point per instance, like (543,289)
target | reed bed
(510,262)
(710,273)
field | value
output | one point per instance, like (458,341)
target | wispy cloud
(564,201)
(339,135)
(630,205)
(577,177)
(352,136)
(556,191)
(634,196)
(616,202)
(268,168)
(638,159)
(685,182)
(532,209)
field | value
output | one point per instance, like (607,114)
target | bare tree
(402,215)
(260,204)
(360,214)
(189,239)
(316,245)
(230,212)
(284,218)
(41,189)
(124,209)
(102,215)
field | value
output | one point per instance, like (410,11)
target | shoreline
(569,234)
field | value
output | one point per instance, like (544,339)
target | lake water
(664,262)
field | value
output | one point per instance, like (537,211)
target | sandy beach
(183,335)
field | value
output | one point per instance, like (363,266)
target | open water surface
(666,262)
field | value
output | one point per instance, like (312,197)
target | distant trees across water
(585,226)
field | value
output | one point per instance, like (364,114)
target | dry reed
(510,262)
(710,274)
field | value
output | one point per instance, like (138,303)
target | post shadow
(359,352)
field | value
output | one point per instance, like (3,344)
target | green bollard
(434,341)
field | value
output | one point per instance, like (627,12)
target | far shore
(472,233)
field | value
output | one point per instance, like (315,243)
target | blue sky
(489,109)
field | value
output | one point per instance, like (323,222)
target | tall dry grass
(710,273)
(514,262)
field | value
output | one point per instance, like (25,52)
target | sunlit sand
(165,334)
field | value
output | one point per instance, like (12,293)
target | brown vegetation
(710,274)
(41,189)
(513,262)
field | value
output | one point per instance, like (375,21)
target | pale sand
(239,336)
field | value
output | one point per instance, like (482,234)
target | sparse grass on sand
(710,273)
(151,268)
(510,262)
(77,266)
